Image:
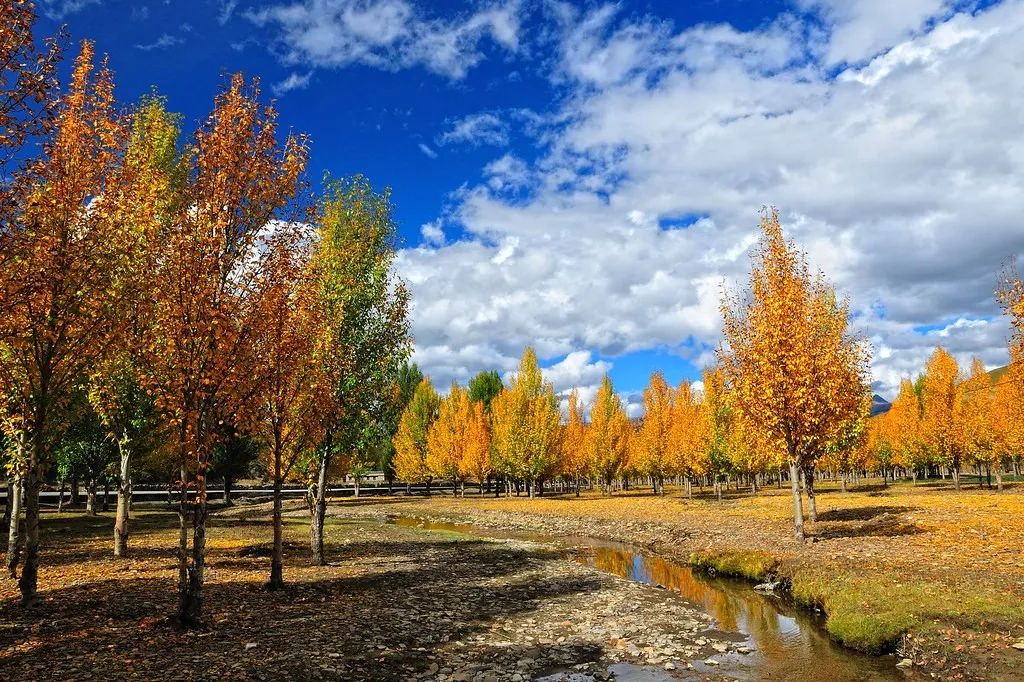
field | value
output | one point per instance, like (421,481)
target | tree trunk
(227,492)
(318,510)
(76,495)
(60,497)
(812,506)
(8,501)
(90,497)
(356,487)
(277,557)
(999,477)
(798,511)
(106,494)
(124,497)
(14,526)
(33,482)
(190,603)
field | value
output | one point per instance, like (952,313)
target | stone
(250,645)
(905,663)
(710,661)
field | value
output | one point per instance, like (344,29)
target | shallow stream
(788,643)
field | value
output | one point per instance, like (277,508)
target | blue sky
(585,177)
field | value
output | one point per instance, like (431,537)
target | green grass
(872,614)
(757,566)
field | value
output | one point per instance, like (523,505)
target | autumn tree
(399,393)
(942,400)
(899,439)
(475,461)
(573,461)
(797,374)
(607,439)
(62,274)
(688,435)
(199,342)
(27,81)
(1008,416)
(141,197)
(526,425)
(411,445)
(288,414)
(364,332)
(652,444)
(977,424)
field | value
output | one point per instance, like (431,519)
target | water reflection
(789,643)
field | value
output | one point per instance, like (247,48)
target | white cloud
(59,9)
(476,130)
(903,176)
(294,81)
(386,34)
(861,29)
(163,42)
(227,10)
(427,150)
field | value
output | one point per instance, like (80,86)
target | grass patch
(751,565)
(871,614)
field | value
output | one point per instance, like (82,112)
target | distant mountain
(998,373)
(879,405)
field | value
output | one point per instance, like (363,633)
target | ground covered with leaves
(935,573)
(395,603)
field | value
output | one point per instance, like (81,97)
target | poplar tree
(411,439)
(62,275)
(363,339)
(608,434)
(652,444)
(526,425)
(943,412)
(198,346)
(797,373)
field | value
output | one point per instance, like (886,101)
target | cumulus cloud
(861,29)
(386,34)
(901,174)
(294,81)
(476,130)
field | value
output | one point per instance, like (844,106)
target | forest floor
(394,604)
(935,573)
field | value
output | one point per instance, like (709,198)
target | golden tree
(1008,416)
(943,411)
(899,440)
(475,462)
(446,438)
(199,343)
(688,436)
(286,411)
(27,80)
(526,426)
(62,275)
(652,445)
(608,434)
(572,459)
(411,444)
(141,198)
(797,374)
(978,429)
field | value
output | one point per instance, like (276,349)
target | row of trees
(788,399)
(180,298)
(790,389)
(948,420)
